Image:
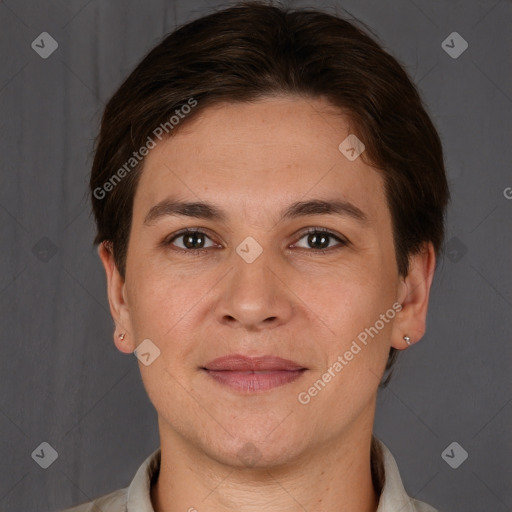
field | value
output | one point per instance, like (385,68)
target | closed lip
(241,363)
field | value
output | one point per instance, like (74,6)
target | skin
(252,161)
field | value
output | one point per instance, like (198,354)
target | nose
(255,295)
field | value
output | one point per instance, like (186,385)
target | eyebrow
(204,210)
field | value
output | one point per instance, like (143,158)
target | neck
(336,476)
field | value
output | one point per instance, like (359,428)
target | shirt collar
(393,496)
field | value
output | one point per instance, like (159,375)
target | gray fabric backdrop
(62,380)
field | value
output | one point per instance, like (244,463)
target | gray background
(62,380)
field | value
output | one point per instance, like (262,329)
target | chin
(251,450)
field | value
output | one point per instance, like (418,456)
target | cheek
(156,302)
(348,295)
(349,305)
(169,307)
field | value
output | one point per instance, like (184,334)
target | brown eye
(320,240)
(194,240)
(191,240)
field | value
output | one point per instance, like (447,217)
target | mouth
(253,374)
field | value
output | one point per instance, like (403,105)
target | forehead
(259,155)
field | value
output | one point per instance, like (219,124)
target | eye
(190,240)
(320,239)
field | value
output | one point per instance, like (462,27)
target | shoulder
(137,496)
(393,495)
(112,502)
(421,506)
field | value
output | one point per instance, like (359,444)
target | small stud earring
(407,340)
(122,335)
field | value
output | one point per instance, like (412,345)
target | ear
(414,291)
(117,300)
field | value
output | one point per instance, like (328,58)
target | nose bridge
(253,295)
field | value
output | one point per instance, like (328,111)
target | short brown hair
(255,50)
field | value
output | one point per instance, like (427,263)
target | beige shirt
(136,497)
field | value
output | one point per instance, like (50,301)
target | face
(286,251)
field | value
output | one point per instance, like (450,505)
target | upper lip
(239,362)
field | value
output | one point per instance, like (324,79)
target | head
(246,109)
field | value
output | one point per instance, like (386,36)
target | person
(269,193)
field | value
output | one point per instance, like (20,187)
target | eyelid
(204,231)
(168,240)
(340,238)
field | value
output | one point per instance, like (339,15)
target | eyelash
(167,242)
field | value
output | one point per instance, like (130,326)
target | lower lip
(249,382)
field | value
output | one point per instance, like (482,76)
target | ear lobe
(117,300)
(414,295)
